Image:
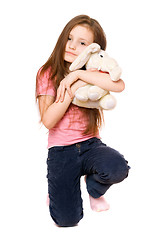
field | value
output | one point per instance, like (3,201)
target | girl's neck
(67,64)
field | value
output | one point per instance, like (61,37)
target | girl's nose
(72,46)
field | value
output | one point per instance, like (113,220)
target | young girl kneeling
(74,145)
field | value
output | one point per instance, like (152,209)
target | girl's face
(79,38)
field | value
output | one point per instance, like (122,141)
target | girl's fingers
(69,92)
(92,70)
(62,93)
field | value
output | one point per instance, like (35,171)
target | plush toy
(91,96)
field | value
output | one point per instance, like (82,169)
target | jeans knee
(116,173)
(66,220)
(120,172)
(67,223)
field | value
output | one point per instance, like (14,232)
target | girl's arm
(93,77)
(51,112)
(101,80)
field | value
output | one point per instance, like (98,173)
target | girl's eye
(69,38)
(82,43)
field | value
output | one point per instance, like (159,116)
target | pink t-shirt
(70,128)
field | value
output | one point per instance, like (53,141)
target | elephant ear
(83,58)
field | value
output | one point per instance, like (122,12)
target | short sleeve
(44,84)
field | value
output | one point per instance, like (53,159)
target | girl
(74,145)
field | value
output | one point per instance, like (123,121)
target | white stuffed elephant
(91,96)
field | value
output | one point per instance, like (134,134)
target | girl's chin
(70,58)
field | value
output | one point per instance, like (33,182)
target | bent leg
(65,203)
(104,167)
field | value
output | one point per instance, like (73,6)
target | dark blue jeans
(103,166)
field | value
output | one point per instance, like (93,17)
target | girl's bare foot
(98,204)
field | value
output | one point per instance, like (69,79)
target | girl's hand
(78,84)
(65,85)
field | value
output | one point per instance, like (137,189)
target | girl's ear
(83,58)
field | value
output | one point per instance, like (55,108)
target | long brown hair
(59,67)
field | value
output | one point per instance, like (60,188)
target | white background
(29,31)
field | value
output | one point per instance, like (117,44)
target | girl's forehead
(82,32)
(81,28)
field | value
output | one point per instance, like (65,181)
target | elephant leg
(107,102)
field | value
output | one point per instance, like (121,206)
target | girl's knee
(67,221)
(116,170)
(120,170)
(66,217)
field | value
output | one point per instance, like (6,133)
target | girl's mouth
(71,53)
